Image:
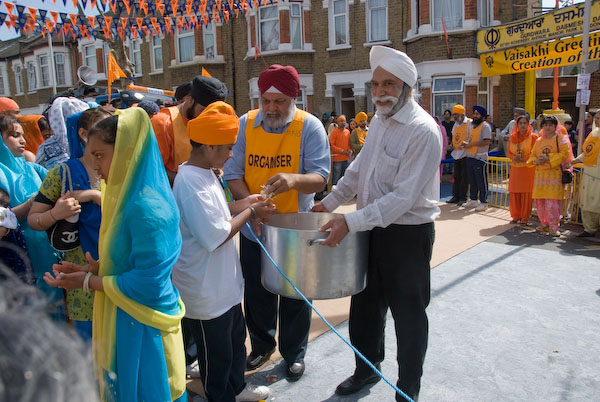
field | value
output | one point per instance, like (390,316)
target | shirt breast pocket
(386,169)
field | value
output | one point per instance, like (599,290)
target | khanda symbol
(589,148)
(492,38)
(546,150)
(489,61)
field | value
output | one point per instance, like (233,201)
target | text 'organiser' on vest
(269,162)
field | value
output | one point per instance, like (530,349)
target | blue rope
(325,320)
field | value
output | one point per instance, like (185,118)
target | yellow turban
(216,125)
(341,118)
(458,109)
(360,116)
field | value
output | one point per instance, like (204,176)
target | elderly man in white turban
(396,178)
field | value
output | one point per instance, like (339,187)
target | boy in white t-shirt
(208,273)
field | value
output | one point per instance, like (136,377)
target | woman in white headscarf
(55,150)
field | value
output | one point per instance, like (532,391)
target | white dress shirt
(396,175)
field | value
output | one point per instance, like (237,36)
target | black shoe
(454,200)
(585,234)
(355,383)
(295,371)
(254,360)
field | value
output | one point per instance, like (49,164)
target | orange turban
(7,104)
(33,135)
(216,125)
(360,116)
(342,118)
(458,109)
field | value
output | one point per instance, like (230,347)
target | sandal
(514,221)
(554,233)
(543,228)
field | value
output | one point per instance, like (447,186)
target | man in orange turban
(208,274)
(9,106)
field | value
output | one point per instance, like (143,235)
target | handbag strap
(65,175)
(558,151)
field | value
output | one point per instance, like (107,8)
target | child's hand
(88,195)
(264,209)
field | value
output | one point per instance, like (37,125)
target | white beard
(275,123)
(385,110)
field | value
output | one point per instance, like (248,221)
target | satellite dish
(87,75)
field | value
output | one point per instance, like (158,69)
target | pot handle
(315,241)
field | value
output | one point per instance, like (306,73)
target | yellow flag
(205,73)
(114,72)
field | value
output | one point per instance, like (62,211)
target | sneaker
(481,207)
(471,204)
(193,370)
(253,393)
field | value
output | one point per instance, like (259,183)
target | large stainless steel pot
(319,272)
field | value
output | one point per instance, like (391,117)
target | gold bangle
(52,216)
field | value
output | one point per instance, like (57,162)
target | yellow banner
(542,55)
(566,21)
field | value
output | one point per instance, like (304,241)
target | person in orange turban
(208,274)
(9,106)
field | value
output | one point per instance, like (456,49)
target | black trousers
(461,179)
(477,171)
(398,279)
(221,353)
(263,307)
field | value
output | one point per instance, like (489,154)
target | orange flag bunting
(154,22)
(121,32)
(10,7)
(32,12)
(134,32)
(92,20)
(75,3)
(205,73)
(127,6)
(50,26)
(256,52)
(226,15)
(168,24)
(114,72)
(54,15)
(174,6)
(124,21)
(108,20)
(93,4)
(139,21)
(144,6)
(73,18)
(218,2)
(145,29)
(161,8)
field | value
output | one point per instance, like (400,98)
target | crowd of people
(132,214)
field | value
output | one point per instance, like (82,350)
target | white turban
(395,62)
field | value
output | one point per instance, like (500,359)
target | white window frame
(485,19)
(5,90)
(212,31)
(369,11)
(18,79)
(137,70)
(64,63)
(178,37)
(332,15)
(260,21)
(86,58)
(441,29)
(487,92)
(31,68)
(300,18)
(44,70)
(153,48)
(301,99)
(435,93)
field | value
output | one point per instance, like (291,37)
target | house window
(19,79)
(31,76)
(346,100)
(209,41)
(484,10)
(377,20)
(301,99)
(185,45)
(89,57)
(447,92)
(296,26)
(135,56)
(451,11)
(59,63)
(44,70)
(269,28)
(2,87)
(339,15)
(157,60)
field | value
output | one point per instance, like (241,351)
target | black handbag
(567,176)
(64,234)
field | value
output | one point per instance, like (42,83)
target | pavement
(513,316)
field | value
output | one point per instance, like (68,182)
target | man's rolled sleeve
(236,166)
(315,148)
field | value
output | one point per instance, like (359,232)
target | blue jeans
(339,168)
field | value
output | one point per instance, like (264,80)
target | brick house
(26,70)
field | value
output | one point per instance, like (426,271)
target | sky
(6,33)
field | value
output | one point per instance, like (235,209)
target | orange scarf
(33,134)
(516,137)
